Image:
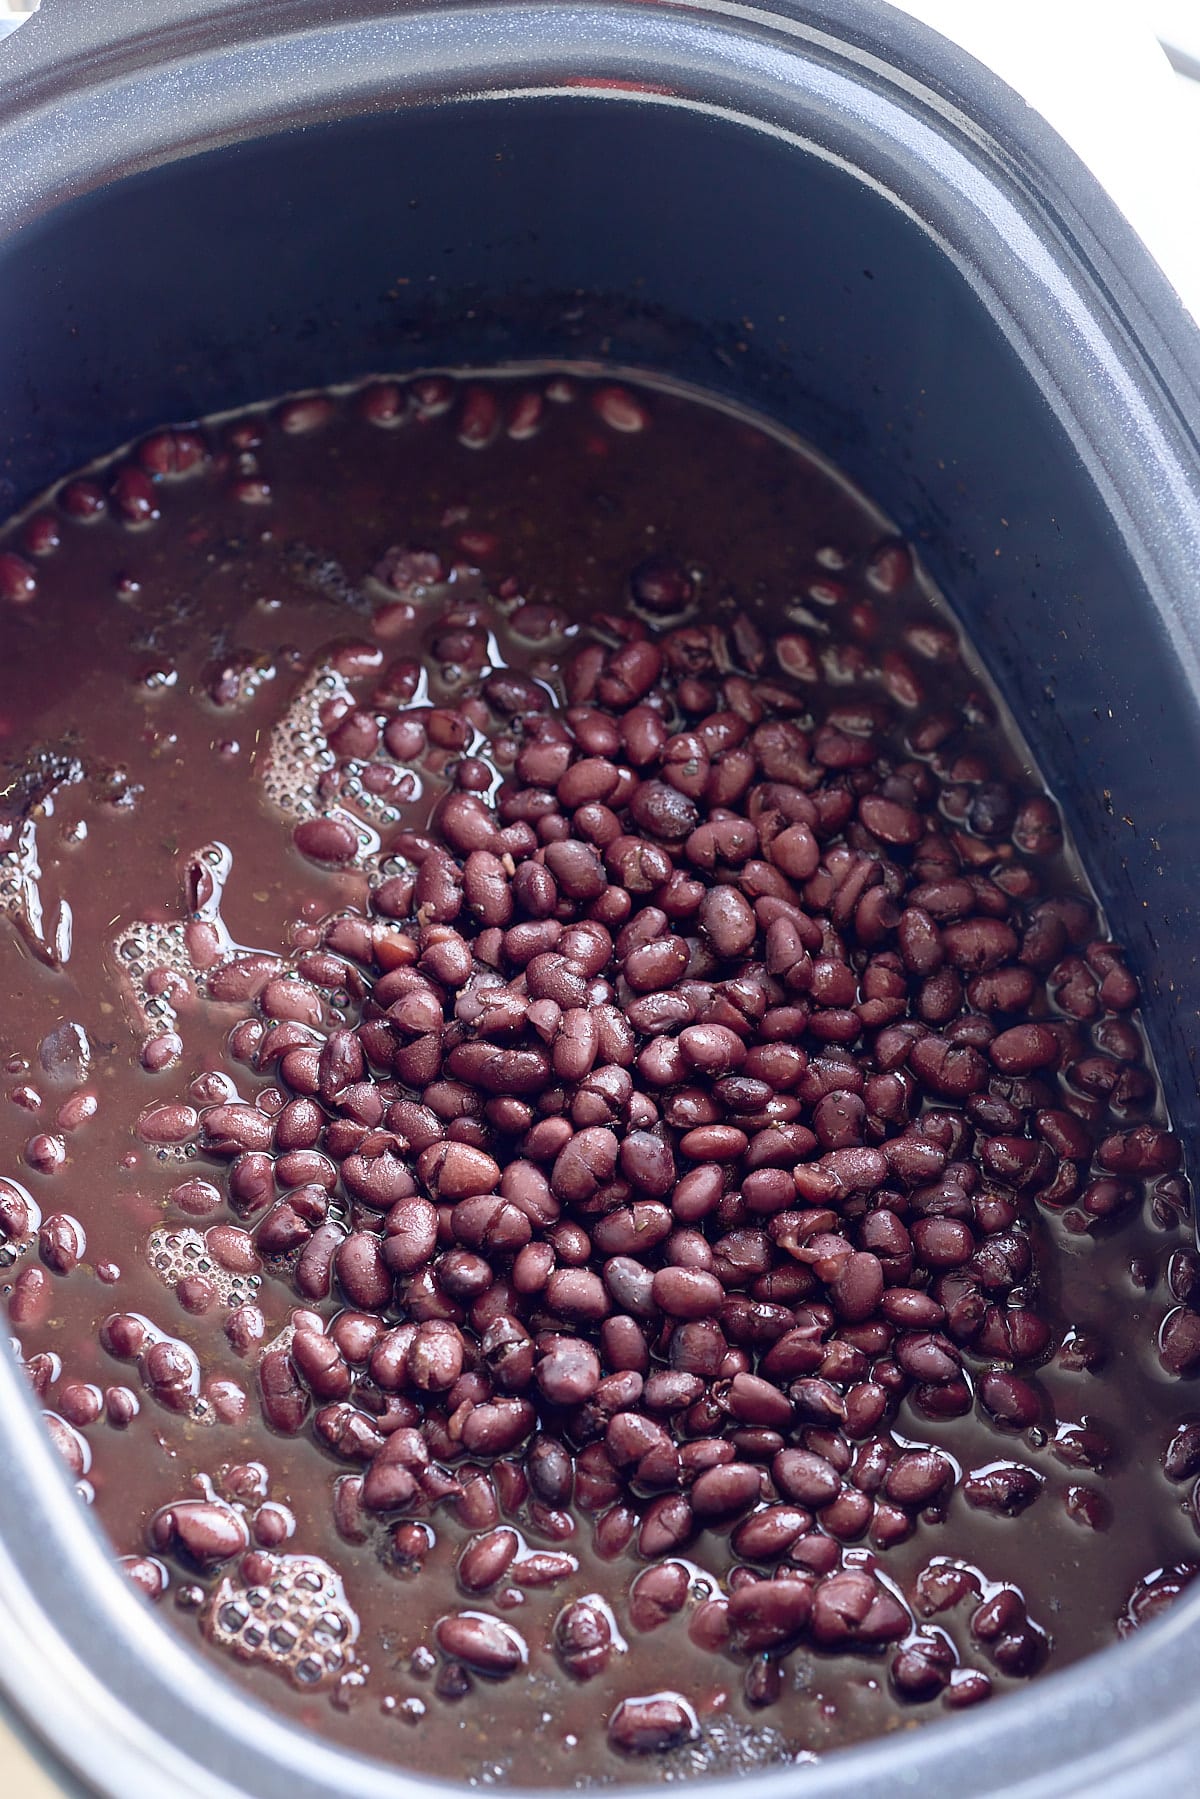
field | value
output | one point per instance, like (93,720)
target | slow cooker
(817,209)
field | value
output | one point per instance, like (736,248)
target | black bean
(208,1532)
(1004,1487)
(485,1560)
(658,1594)
(482,1643)
(583,1639)
(567,1370)
(1009,1399)
(650,1726)
(667,1524)
(497,1427)
(917,1477)
(1181,1458)
(769,1614)
(805,1477)
(922,1668)
(770,1533)
(725,1492)
(687,1293)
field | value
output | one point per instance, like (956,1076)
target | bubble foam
(287,1612)
(176,1252)
(29,795)
(297,754)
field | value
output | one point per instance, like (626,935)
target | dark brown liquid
(111,671)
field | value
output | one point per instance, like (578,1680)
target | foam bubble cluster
(297,754)
(46,929)
(177,1253)
(287,1612)
(20,1217)
(167,966)
(727,1747)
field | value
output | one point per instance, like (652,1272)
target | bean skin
(485,1560)
(725,1492)
(482,1643)
(687,1293)
(657,1594)
(770,1533)
(209,1533)
(769,1614)
(805,1477)
(651,1725)
(362,1272)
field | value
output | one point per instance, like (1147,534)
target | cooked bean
(769,1614)
(918,1476)
(1012,1400)
(209,1533)
(687,1292)
(567,1371)
(583,1639)
(770,1533)
(483,1643)
(649,1726)
(662,1122)
(667,1524)
(803,1476)
(485,1560)
(362,1272)
(658,1594)
(757,1401)
(726,1491)
(498,1427)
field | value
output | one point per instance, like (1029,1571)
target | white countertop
(1097,72)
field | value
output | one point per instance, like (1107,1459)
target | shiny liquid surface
(242,662)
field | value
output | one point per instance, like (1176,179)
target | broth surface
(305,712)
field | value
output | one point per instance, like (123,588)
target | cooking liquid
(146,680)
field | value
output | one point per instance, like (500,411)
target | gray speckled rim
(91,93)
